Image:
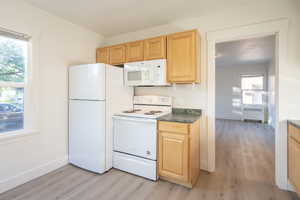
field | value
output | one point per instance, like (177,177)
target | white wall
(56,45)
(249,12)
(228,77)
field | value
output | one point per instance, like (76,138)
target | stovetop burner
(153,112)
(131,111)
(146,112)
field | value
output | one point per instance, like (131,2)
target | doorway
(279,29)
(244,111)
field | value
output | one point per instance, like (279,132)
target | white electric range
(135,135)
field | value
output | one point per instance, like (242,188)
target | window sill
(14,135)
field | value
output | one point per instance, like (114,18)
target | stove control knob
(148,153)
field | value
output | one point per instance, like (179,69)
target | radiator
(249,113)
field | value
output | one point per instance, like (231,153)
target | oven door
(135,136)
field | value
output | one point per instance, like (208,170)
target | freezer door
(87,82)
(87,135)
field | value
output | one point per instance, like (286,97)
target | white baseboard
(31,174)
(203,165)
(229,118)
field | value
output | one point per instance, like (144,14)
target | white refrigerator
(96,92)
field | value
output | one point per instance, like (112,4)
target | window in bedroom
(252,90)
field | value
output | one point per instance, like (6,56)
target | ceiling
(248,51)
(112,17)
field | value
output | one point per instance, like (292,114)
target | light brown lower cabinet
(179,152)
(294,157)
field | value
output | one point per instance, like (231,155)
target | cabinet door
(294,164)
(155,48)
(294,132)
(102,55)
(117,54)
(135,51)
(182,57)
(173,156)
(291,160)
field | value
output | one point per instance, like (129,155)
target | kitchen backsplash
(184,96)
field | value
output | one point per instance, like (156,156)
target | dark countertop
(295,123)
(182,115)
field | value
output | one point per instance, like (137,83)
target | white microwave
(146,73)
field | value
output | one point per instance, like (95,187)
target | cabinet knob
(148,153)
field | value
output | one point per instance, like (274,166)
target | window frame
(252,90)
(29,96)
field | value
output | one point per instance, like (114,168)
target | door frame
(279,28)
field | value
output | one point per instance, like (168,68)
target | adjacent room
(149,100)
(245,80)
(246,111)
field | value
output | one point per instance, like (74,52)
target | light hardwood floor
(245,171)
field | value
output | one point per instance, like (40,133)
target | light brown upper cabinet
(182,51)
(183,57)
(135,51)
(102,55)
(117,54)
(155,48)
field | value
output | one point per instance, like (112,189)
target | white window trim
(30,97)
(12,136)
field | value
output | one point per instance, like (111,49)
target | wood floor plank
(245,168)
(91,185)
(104,183)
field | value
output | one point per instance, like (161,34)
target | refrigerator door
(87,82)
(87,135)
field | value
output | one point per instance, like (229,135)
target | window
(252,90)
(13,63)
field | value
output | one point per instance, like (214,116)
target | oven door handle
(136,119)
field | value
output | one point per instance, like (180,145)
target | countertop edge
(185,117)
(179,121)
